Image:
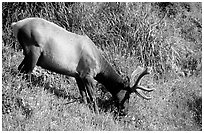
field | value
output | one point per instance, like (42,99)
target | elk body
(53,48)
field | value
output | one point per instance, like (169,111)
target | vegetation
(166,36)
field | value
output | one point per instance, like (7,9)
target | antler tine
(143,73)
(145,88)
(140,93)
(138,89)
(137,74)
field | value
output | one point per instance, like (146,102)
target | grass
(51,102)
(176,105)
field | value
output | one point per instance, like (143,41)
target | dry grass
(166,37)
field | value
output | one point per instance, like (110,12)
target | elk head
(122,97)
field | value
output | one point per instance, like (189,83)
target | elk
(53,48)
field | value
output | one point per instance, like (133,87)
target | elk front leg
(89,83)
(82,89)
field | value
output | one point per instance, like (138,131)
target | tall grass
(159,35)
(166,36)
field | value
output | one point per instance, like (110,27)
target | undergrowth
(165,36)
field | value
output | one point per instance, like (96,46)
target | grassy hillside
(166,36)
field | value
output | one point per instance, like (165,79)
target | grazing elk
(53,48)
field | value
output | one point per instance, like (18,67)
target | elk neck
(112,81)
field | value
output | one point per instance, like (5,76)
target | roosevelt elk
(53,48)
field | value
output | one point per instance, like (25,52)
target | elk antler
(141,94)
(144,88)
(138,74)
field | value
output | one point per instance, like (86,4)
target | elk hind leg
(30,60)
